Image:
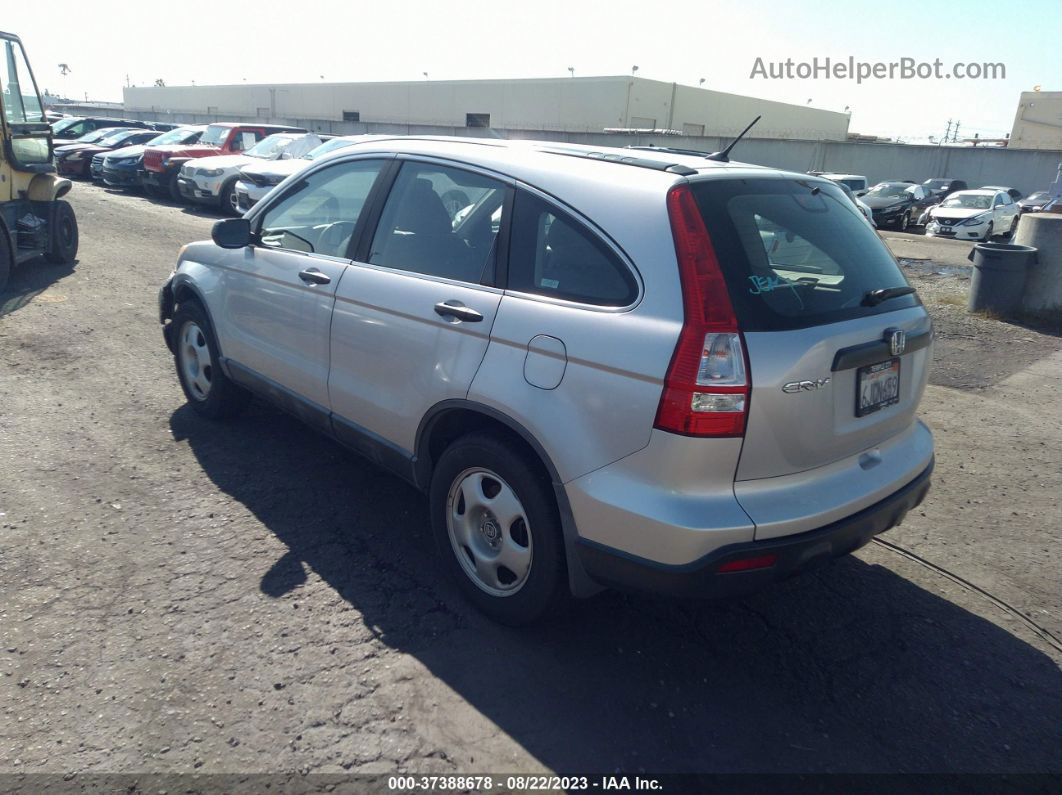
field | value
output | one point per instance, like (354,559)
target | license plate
(877,386)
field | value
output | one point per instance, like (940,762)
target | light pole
(634,70)
(425,75)
(700,82)
(571,71)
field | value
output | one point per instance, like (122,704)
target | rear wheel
(63,240)
(496,527)
(209,391)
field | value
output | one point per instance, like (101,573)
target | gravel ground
(180,596)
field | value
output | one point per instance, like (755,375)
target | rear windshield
(795,253)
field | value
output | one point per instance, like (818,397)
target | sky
(105,43)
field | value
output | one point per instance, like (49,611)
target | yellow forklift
(34,221)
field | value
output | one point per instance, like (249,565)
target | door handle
(314,276)
(458,311)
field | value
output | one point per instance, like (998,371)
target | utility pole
(947,133)
(955,135)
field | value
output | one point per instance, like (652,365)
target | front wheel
(209,391)
(497,529)
(174,189)
(905,221)
(228,201)
(63,237)
(988,233)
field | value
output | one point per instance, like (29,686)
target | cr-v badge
(805,386)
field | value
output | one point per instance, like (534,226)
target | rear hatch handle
(880,350)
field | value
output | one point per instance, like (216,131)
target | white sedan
(973,215)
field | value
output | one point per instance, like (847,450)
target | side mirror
(232,233)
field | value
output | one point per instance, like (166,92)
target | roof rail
(607,157)
(671,150)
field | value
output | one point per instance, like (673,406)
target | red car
(162,164)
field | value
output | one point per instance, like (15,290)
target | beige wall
(1038,121)
(588,104)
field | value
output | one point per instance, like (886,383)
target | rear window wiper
(875,297)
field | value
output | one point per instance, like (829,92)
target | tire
(63,236)
(209,391)
(174,189)
(904,222)
(988,233)
(1014,225)
(227,200)
(7,260)
(481,484)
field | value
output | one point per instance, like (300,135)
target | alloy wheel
(489,532)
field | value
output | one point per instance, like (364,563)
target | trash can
(998,276)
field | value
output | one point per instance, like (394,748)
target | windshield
(95,135)
(270,148)
(890,190)
(794,258)
(851,184)
(1039,196)
(215,135)
(968,201)
(19,94)
(937,184)
(63,124)
(116,138)
(326,147)
(182,135)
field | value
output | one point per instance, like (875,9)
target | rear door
(414,312)
(834,370)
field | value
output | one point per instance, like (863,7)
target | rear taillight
(706,389)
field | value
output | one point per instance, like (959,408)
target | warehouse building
(1038,122)
(558,105)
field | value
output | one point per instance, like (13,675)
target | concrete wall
(588,104)
(1027,170)
(1038,121)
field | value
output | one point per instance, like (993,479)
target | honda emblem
(897,339)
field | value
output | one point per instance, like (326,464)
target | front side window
(21,104)
(552,254)
(440,221)
(320,215)
(215,135)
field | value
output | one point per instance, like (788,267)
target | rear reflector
(748,564)
(706,388)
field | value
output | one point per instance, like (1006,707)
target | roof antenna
(724,156)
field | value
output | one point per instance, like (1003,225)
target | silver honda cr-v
(605,367)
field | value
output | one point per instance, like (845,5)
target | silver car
(651,371)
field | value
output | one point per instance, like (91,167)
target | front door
(279,293)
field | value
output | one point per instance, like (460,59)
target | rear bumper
(792,554)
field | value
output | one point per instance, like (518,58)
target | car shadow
(850,668)
(29,280)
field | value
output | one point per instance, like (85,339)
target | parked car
(99,150)
(212,180)
(597,369)
(939,187)
(121,167)
(162,164)
(973,215)
(859,203)
(73,159)
(1014,193)
(857,183)
(1034,202)
(258,177)
(71,128)
(896,203)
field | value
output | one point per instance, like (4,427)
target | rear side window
(795,253)
(552,254)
